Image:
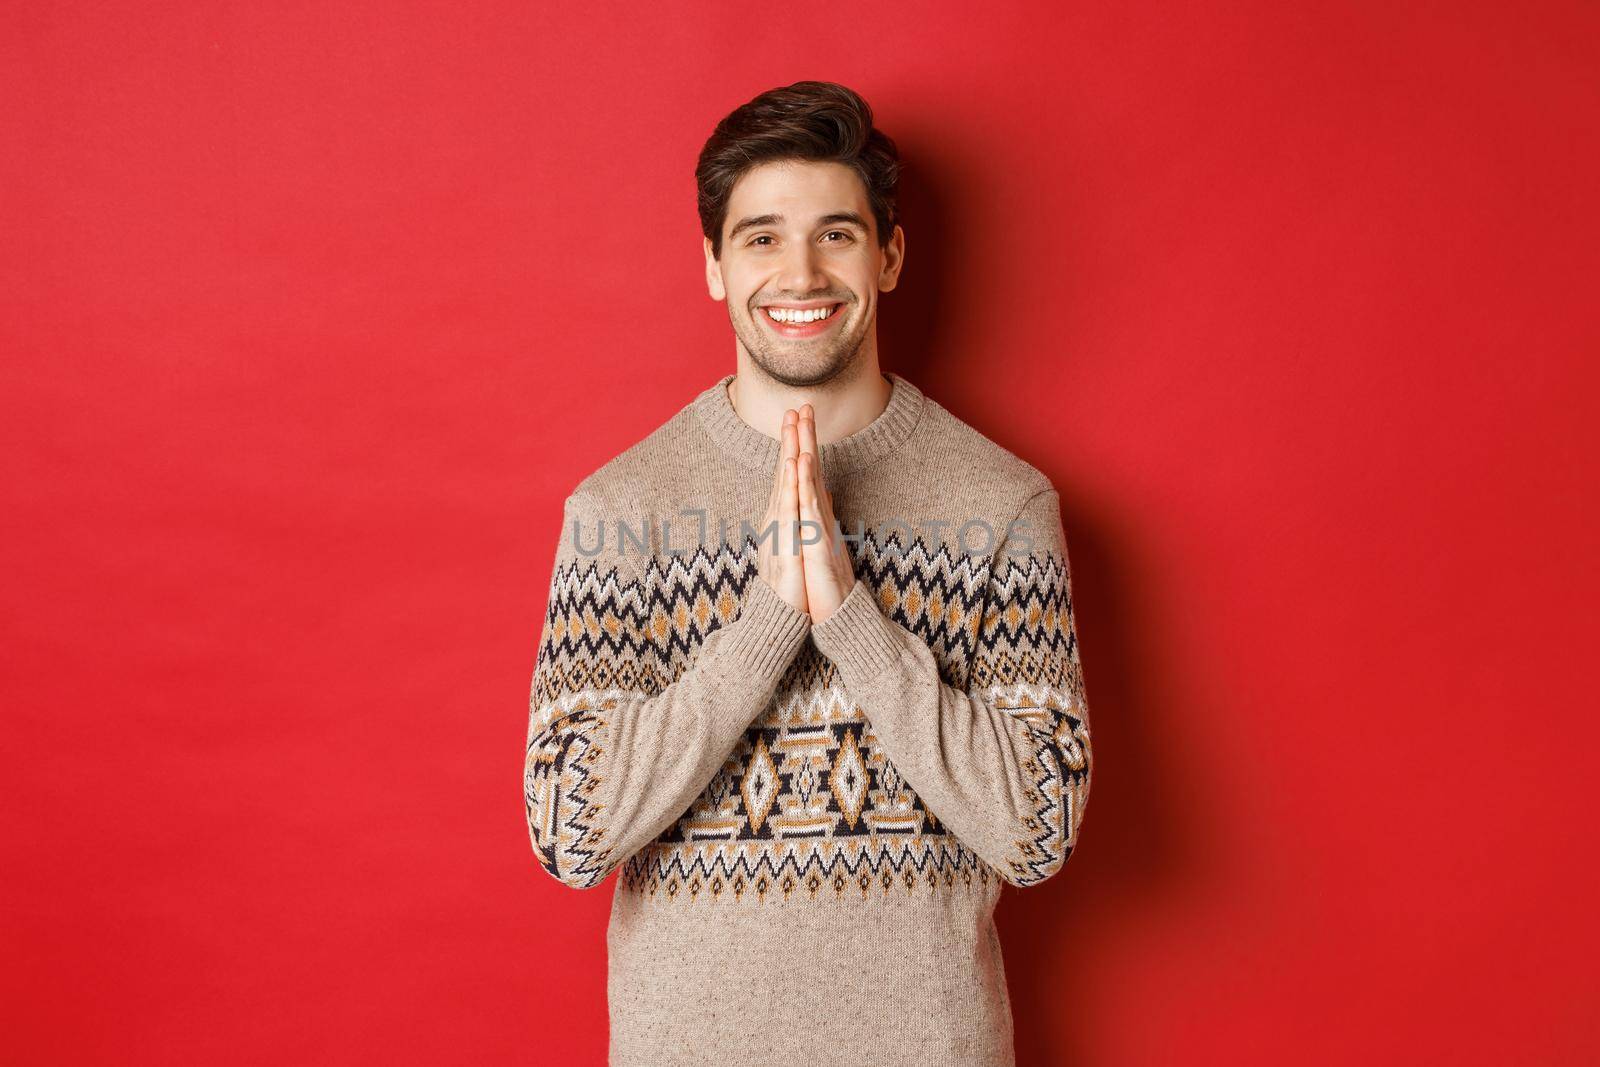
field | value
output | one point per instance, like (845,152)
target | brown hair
(810,121)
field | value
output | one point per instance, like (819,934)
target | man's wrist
(857,636)
(768,631)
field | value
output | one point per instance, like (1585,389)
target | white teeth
(791,316)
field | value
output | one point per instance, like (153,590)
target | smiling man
(809,674)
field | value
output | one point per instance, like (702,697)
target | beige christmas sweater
(811,824)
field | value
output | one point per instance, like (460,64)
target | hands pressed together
(815,577)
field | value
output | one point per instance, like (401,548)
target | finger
(830,522)
(817,541)
(808,441)
(775,497)
(824,498)
(807,420)
(790,435)
(789,509)
(790,455)
(808,485)
(821,495)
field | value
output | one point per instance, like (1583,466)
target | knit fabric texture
(811,823)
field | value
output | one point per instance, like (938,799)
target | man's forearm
(614,757)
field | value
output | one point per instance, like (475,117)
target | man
(813,756)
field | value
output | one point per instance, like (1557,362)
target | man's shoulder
(965,455)
(649,462)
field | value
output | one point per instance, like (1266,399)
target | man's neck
(842,405)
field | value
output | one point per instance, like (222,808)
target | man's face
(801,235)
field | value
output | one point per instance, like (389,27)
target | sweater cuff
(767,633)
(858,637)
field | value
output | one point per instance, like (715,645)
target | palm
(814,577)
(829,572)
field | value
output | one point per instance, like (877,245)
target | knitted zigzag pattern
(807,802)
(1027,665)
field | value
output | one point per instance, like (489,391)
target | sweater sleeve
(1004,762)
(615,752)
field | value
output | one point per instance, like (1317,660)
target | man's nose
(802,269)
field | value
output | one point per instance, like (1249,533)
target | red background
(312,317)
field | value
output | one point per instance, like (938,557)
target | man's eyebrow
(750,222)
(845,216)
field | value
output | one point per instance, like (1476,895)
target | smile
(798,322)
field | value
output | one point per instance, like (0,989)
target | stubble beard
(778,361)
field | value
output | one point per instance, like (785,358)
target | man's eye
(841,233)
(759,238)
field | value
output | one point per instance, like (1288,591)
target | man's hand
(829,575)
(779,563)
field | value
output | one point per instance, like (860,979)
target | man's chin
(800,370)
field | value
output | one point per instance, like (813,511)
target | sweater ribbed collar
(752,448)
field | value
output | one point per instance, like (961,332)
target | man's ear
(894,256)
(713,273)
